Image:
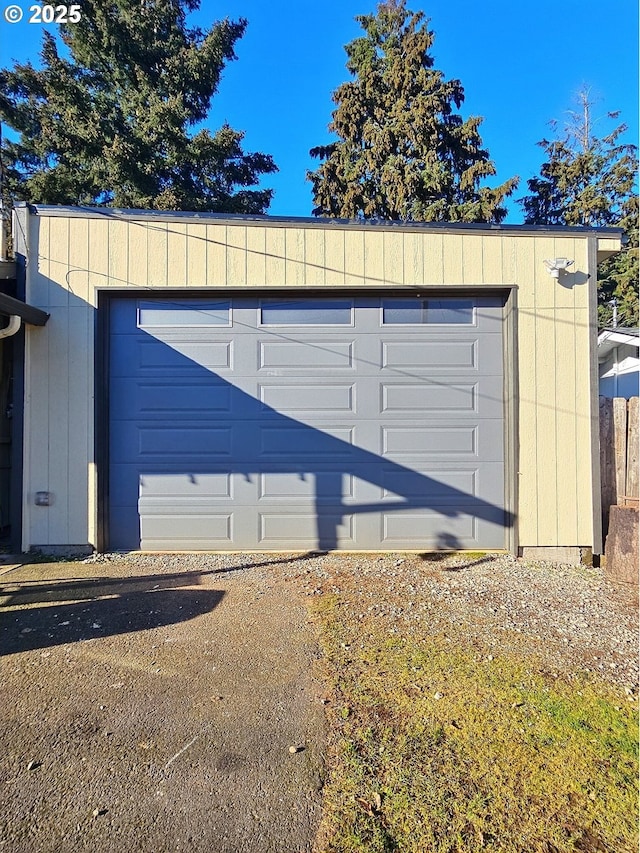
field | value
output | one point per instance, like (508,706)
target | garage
(258,383)
(277,422)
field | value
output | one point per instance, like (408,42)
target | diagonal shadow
(123,612)
(75,589)
(194,431)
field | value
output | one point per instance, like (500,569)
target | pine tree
(403,152)
(111,123)
(592,181)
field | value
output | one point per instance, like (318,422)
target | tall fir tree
(592,181)
(403,152)
(111,124)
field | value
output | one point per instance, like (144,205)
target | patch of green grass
(435,749)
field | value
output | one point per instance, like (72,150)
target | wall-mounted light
(557,265)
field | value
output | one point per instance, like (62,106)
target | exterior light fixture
(556,266)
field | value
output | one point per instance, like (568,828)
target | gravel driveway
(150,705)
(150,702)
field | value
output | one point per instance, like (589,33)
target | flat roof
(311,221)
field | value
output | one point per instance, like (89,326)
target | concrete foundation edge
(63,550)
(573,555)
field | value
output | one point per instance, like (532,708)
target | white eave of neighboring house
(609,339)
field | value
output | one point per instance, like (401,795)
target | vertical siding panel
(294,254)
(545,396)
(373,258)
(92,482)
(78,278)
(137,270)
(58,261)
(118,253)
(216,255)
(509,254)
(36,442)
(38,280)
(492,267)
(452,246)
(256,257)
(58,432)
(98,256)
(196,255)
(314,256)
(413,259)
(474,252)
(433,258)
(275,245)
(582,380)
(177,255)
(236,255)
(393,257)
(334,254)
(156,254)
(354,257)
(57,366)
(565,399)
(80,403)
(528,450)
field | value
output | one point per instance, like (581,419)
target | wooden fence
(618,454)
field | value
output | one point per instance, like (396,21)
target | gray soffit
(28,313)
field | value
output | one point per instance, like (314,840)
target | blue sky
(521,65)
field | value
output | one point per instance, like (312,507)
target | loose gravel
(571,617)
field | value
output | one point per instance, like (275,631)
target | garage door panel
(301,528)
(361,437)
(414,397)
(477,355)
(152,357)
(432,530)
(404,441)
(321,398)
(300,440)
(210,529)
(321,486)
(193,486)
(316,354)
(124,527)
(133,443)
(433,398)
(163,398)
(431,484)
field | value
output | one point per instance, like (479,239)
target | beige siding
(433,258)
(315,256)
(71,258)
(256,256)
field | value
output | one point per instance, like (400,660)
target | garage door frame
(102,351)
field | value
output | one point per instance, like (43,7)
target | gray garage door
(361,423)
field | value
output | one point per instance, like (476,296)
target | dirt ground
(145,708)
(149,702)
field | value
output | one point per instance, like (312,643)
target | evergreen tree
(403,152)
(592,181)
(111,124)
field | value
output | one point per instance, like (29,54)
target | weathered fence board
(619,439)
(631,489)
(620,444)
(607,460)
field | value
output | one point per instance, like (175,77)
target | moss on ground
(437,749)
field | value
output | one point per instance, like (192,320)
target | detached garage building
(209,382)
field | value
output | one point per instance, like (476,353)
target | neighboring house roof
(609,339)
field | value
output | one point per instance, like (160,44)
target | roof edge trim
(310,221)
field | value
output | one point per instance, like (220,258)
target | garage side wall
(71,256)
